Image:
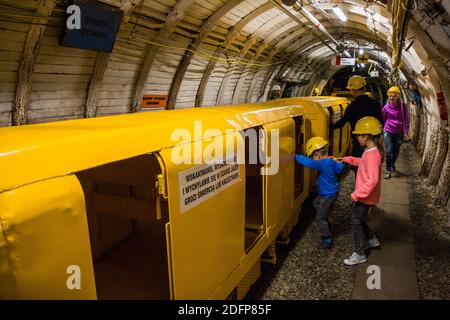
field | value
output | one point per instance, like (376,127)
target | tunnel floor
(414,258)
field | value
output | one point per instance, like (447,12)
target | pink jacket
(368,178)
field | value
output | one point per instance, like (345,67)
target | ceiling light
(337,11)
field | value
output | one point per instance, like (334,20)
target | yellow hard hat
(315,143)
(316,91)
(368,94)
(394,89)
(356,82)
(368,125)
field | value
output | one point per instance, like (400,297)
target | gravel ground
(305,272)
(431,239)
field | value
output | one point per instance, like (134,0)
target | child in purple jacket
(396,126)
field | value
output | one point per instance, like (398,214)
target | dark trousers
(392,144)
(361,231)
(323,207)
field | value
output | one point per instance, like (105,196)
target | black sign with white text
(90,26)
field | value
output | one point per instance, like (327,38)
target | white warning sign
(203,182)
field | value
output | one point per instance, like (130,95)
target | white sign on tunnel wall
(200,183)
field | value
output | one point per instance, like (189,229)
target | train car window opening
(127,229)
(254,210)
(298,169)
(330,130)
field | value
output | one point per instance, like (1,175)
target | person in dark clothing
(362,106)
(415,94)
(275,93)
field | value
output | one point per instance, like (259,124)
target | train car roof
(324,101)
(35,152)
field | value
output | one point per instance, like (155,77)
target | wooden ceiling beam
(205,29)
(231,36)
(101,63)
(30,52)
(173,18)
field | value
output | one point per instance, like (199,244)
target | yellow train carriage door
(44,242)
(279,174)
(127,215)
(206,221)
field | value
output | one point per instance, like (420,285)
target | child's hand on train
(338,159)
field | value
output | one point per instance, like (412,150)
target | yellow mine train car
(322,111)
(109,208)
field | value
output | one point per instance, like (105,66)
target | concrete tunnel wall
(203,53)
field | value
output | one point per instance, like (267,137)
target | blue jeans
(323,207)
(392,143)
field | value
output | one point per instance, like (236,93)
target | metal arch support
(313,43)
(251,40)
(353,19)
(174,16)
(231,36)
(231,70)
(205,29)
(30,51)
(266,43)
(101,63)
(247,47)
(295,36)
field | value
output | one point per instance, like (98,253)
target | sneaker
(387,175)
(326,243)
(373,243)
(355,259)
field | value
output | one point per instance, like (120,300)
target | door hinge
(160,185)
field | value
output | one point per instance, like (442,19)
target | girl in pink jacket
(368,185)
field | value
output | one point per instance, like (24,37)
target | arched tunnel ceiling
(201,52)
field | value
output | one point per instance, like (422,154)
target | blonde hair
(378,139)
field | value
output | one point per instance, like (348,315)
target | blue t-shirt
(327,181)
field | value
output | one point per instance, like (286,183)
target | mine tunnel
(95,94)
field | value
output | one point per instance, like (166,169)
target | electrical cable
(204,55)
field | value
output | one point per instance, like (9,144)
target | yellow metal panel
(207,240)
(316,111)
(44,231)
(313,111)
(279,191)
(248,280)
(54,149)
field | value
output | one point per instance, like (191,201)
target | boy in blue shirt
(327,184)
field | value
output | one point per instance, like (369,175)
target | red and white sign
(340,61)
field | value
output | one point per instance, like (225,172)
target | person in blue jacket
(327,184)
